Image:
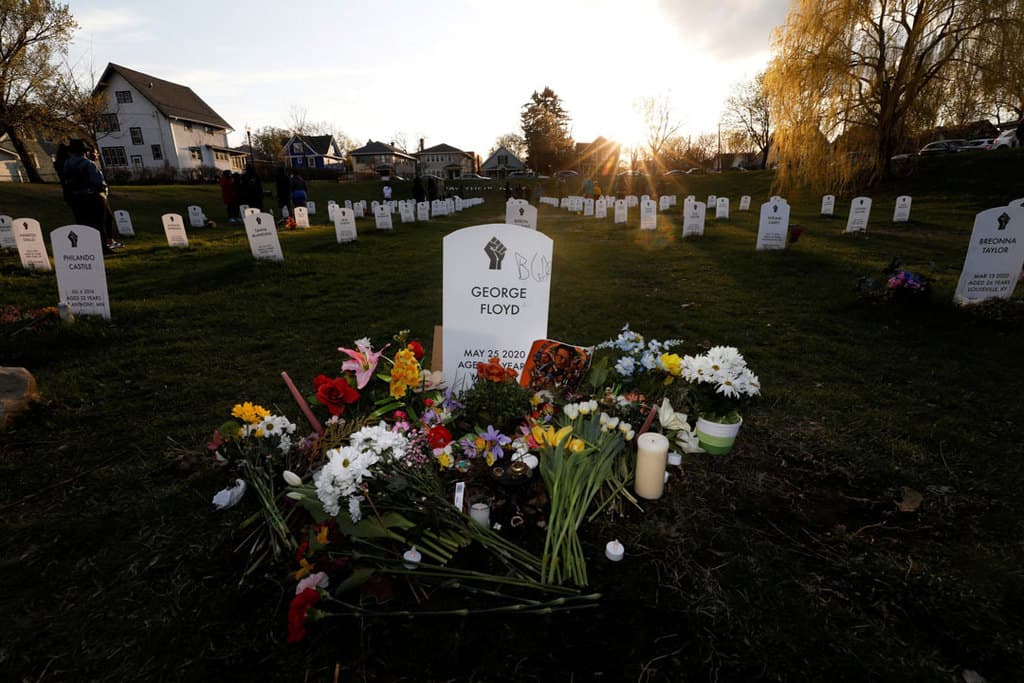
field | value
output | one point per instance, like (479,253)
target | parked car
(696,170)
(474,176)
(941,147)
(1006,140)
(630,174)
(978,145)
(520,174)
(566,174)
(677,171)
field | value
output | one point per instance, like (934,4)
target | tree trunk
(28,159)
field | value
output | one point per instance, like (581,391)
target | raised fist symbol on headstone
(495,250)
(1004,220)
(73,238)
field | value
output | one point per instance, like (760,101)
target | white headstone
(522,214)
(6,233)
(745,203)
(311,208)
(124,223)
(438,208)
(285,213)
(196,217)
(664,202)
(773,226)
(250,211)
(588,206)
(449,206)
(860,211)
(648,215)
(407,211)
(631,201)
(174,229)
(693,218)
(359,209)
(995,256)
(345,225)
(563,203)
(423,211)
(262,234)
(242,208)
(901,214)
(28,236)
(81,275)
(1016,202)
(301,217)
(496,288)
(331,208)
(621,211)
(348,203)
(722,208)
(601,208)
(672,199)
(382,218)
(828,205)
(712,202)
(458,203)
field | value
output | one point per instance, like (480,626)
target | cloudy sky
(450,71)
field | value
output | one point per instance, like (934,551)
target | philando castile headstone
(497,285)
(81,274)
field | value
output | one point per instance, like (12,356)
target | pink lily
(362,362)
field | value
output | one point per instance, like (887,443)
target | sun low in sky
(456,72)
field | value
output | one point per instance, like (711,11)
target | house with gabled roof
(501,163)
(445,161)
(153,124)
(313,151)
(380,159)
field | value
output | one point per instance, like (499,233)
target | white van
(1006,139)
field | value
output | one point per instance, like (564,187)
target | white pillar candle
(481,513)
(614,550)
(651,459)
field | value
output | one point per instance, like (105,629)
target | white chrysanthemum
(751,382)
(381,441)
(341,476)
(354,511)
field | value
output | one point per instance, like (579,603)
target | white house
(445,161)
(153,124)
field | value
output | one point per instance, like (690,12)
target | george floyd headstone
(496,289)
(6,233)
(301,217)
(262,234)
(995,256)
(621,211)
(745,203)
(773,226)
(601,208)
(860,212)
(693,218)
(250,211)
(828,205)
(423,211)
(382,218)
(28,236)
(722,208)
(901,214)
(345,225)
(519,212)
(588,206)
(196,217)
(81,274)
(648,215)
(174,230)
(124,223)
(311,208)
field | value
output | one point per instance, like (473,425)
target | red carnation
(439,436)
(416,348)
(297,613)
(335,394)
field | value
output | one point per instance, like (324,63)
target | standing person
(84,188)
(252,188)
(283,189)
(108,213)
(298,189)
(508,191)
(229,195)
(431,188)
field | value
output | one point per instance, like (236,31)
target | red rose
(439,436)
(416,348)
(297,612)
(320,379)
(335,394)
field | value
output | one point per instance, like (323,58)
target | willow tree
(849,78)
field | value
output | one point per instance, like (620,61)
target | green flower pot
(717,438)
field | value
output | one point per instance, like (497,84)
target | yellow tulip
(547,436)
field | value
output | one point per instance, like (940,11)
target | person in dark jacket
(229,195)
(283,189)
(85,190)
(252,188)
(298,189)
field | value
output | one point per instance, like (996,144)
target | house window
(114,156)
(503,159)
(137,161)
(196,153)
(108,122)
(188,125)
(220,156)
(123,96)
(237,162)
(136,135)
(297,148)
(311,161)
(209,130)
(158,153)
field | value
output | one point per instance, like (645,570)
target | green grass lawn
(784,560)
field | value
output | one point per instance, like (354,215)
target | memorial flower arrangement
(718,382)
(374,499)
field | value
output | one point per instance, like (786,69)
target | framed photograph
(556,366)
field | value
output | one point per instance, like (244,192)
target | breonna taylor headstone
(995,256)
(81,275)
(497,284)
(31,247)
